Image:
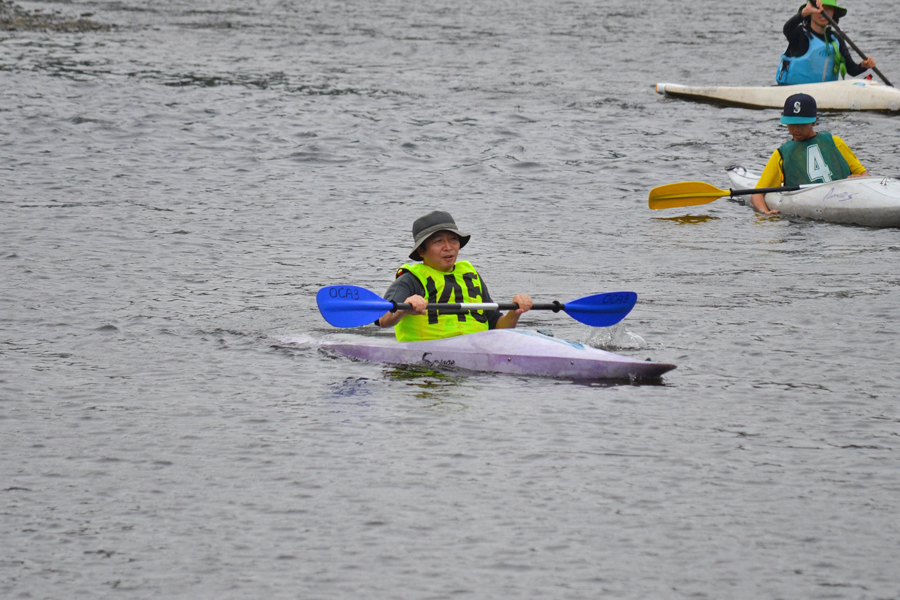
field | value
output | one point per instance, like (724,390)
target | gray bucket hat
(433,222)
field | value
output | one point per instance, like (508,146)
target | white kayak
(848,94)
(514,351)
(869,201)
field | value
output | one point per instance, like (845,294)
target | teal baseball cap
(799,109)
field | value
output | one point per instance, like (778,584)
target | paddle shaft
(458,307)
(787,188)
(834,26)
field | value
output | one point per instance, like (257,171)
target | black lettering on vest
(452,288)
(430,295)
(474,292)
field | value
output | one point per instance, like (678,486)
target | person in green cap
(441,278)
(809,157)
(815,53)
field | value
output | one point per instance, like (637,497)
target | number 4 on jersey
(816,168)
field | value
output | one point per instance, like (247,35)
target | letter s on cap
(796,107)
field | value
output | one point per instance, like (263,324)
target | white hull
(849,94)
(869,201)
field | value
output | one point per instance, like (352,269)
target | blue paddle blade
(350,306)
(602,310)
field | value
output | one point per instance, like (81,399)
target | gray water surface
(176,185)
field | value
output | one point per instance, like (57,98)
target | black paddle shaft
(453,308)
(788,188)
(834,26)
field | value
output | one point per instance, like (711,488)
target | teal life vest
(816,160)
(823,61)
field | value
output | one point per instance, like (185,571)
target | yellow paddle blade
(686,193)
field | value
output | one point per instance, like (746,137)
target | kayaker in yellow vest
(809,157)
(440,278)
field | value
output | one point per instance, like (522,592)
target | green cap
(839,11)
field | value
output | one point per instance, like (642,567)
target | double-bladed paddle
(834,26)
(353,306)
(692,193)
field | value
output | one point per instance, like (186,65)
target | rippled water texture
(180,181)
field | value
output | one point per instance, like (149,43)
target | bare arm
(511,319)
(759,204)
(389,319)
(772,176)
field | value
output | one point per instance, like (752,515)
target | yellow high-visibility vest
(462,284)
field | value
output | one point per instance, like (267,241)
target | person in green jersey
(441,278)
(809,157)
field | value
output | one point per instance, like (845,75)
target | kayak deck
(512,351)
(849,94)
(867,201)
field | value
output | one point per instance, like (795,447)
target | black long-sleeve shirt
(796,30)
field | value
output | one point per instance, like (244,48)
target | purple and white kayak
(513,351)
